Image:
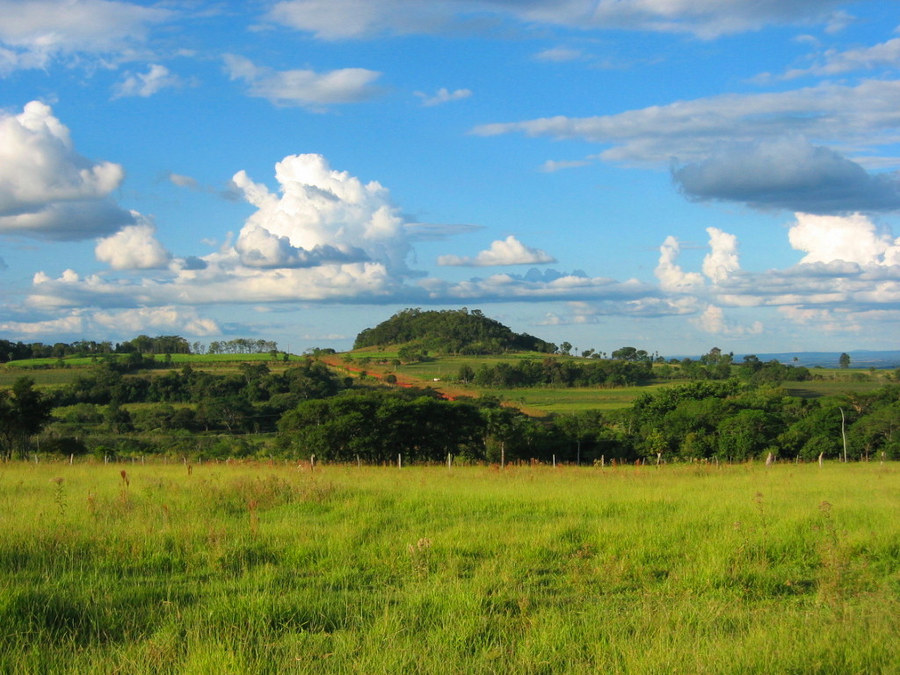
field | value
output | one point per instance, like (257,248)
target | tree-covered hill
(457,331)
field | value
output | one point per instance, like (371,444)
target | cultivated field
(249,568)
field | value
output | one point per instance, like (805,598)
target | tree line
(142,344)
(308,410)
(554,372)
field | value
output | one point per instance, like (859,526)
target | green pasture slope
(48,373)
(441,373)
(255,568)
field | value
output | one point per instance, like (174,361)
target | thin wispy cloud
(443,95)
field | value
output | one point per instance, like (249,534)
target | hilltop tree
(844,360)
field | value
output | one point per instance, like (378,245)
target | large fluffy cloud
(722,259)
(509,251)
(672,278)
(342,19)
(304,88)
(718,264)
(712,320)
(849,276)
(47,188)
(134,247)
(852,239)
(325,235)
(258,247)
(321,215)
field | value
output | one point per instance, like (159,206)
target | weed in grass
(59,497)
(420,557)
(836,576)
(253,508)
(92,504)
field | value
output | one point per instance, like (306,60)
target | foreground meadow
(260,568)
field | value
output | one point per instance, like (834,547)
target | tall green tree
(24,412)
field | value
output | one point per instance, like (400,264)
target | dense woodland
(131,403)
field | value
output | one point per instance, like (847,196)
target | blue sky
(668,174)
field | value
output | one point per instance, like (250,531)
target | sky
(672,175)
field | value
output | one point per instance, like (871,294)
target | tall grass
(258,568)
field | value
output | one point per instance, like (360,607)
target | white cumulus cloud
(509,251)
(321,215)
(852,239)
(47,188)
(670,274)
(722,258)
(712,320)
(134,247)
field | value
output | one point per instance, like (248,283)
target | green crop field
(257,568)
(573,399)
(43,379)
(816,388)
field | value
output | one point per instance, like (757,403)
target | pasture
(51,373)
(239,568)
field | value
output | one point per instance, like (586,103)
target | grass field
(259,568)
(440,374)
(542,401)
(816,388)
(49,373)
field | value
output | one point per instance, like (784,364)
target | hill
(458,331)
